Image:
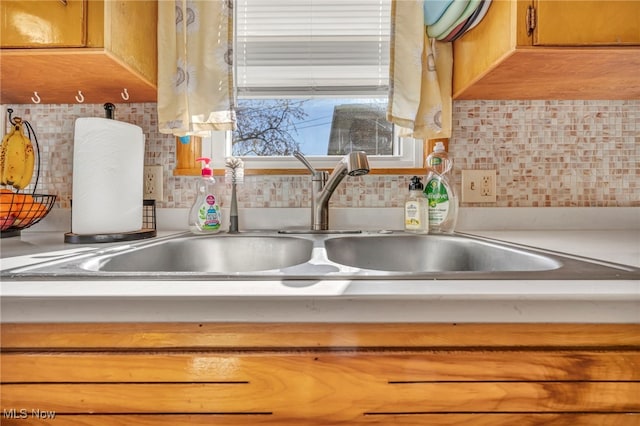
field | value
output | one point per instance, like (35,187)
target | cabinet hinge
(531,19)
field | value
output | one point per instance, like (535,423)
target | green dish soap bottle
(205,216)
(443,202)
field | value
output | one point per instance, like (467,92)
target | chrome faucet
(323,184)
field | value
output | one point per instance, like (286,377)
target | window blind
(307,47)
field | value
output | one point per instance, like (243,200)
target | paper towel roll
(108,168)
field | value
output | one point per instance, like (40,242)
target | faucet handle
(316,175)
(304,161)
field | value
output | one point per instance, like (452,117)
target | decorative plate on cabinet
(482,11)
(433,10)
(472,6)
(464,27)
(450,16)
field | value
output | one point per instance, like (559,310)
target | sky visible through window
(313,131)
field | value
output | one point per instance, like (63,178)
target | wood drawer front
(330,401)
(321,374)
(374,367)
(76,336)
(317,396)
(346,387)
(505,419)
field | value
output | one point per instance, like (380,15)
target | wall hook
(125,94)
(80,97)
(35,98)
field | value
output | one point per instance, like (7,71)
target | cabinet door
(59,23)
(588,23)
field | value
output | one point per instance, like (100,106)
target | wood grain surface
(320,374)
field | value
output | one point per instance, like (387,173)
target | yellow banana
(29,163)
(15,158)
(3,155)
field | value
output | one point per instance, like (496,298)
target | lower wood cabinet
(320,374)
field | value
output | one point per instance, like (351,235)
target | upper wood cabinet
(551,49)
(96,47)
(43,23)
(587,23)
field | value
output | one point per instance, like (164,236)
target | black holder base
(72,238)
(10,233)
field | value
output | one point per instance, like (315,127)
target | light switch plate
(478,186)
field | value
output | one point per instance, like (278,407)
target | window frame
(217,146)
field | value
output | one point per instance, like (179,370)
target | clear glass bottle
(416,208)
(205,216)
(441,196)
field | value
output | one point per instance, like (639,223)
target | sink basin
(309,258)
(219,254)
(433,253)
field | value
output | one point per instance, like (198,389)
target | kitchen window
(312,75)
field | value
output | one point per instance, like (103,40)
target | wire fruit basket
(20,211)
(20,205)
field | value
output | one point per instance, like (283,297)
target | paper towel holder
(109,110)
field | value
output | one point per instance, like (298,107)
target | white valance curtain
(195,66)
(420,92)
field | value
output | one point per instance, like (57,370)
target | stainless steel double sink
(259,255)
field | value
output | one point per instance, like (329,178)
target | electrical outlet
(153,183)
(478,186)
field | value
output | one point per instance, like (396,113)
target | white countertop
(617,246)
(610,301)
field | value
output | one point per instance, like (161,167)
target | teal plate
(448,19)
(434,9)
(472,6)
(466,25)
